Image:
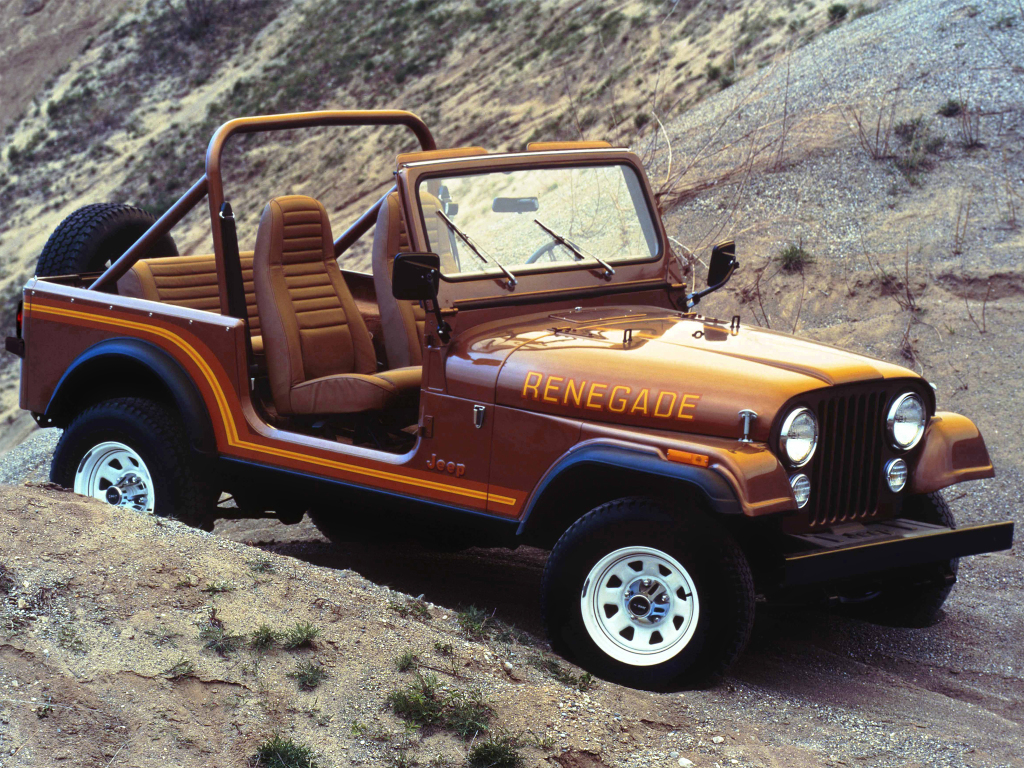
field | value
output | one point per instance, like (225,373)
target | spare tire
(93,237)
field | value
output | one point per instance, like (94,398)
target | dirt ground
(90,632)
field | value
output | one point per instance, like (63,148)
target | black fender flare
(128,355)
(641,463)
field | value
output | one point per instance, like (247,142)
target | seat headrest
(295,229)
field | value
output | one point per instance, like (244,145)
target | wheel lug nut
(662,598)
(646,583)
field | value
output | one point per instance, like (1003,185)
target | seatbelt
(233,275)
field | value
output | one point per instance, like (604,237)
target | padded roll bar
(212,184)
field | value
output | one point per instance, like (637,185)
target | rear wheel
(132,452)
(646,596)
(917,603)
(93,237)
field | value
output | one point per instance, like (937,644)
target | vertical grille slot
(845,473)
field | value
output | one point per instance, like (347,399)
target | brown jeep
(523,365)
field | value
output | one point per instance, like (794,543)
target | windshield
(538,218)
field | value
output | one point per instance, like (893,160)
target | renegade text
(617,398)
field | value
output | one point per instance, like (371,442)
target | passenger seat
(402,321)
(319,352)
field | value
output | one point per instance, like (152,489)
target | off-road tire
(182,489)
(912,605)
(720,574)
(91,236)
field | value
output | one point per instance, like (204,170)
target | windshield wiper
(473,247)
(608,271)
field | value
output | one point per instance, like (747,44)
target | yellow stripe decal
(229,424)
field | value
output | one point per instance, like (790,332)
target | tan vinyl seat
(319,353)
(189,281)
(402,321)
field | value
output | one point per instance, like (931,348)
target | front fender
(954,451)
(634,468)
(114,363)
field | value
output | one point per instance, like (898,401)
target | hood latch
(748,417)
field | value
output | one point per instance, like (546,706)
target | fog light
(896,475)
(801,489)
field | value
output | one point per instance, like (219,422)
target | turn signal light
(685,457)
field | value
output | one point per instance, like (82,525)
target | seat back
(309,320)
(402,321)
(189,281)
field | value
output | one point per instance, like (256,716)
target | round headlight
(799,436)
(896,475)
(801,489)
(906,421)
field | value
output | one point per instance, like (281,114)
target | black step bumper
(860,550)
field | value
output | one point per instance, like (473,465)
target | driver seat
(319,354)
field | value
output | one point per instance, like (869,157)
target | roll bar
(211,185)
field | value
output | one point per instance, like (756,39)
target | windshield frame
(486,164)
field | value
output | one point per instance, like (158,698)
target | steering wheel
(548,248)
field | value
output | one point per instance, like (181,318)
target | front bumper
(855,550)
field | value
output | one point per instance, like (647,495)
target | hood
(659,369)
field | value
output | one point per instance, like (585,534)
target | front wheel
(132,452)
(647,596)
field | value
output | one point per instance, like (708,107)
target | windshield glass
(538,218)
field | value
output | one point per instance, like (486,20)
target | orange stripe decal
(230,429)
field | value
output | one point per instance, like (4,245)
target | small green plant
(68,638)
(467,714)
(951,108)
(45,709)
(181,669)
(444,649)
(183,584)
(474,622)
(420,702)
(546,664)
(497,751)
(406,661)
(713,71)
(912,129)
(424,703)
(793,258)
(357,729)
(261,566)
(302,635)
(308,674)
(837,13)
(218,587)
(410,607)
(262,639)
(281,752)
(216,638)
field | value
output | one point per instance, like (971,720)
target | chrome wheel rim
(640,606)
(116,474)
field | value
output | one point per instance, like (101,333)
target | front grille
(846,470)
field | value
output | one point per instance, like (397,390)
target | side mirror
(723,262)
(415,276)
(515,205)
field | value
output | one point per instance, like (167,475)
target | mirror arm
(444,331)
(693,299)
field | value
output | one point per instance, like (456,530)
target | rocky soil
(102,608)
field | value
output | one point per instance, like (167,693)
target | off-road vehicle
(523,365)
